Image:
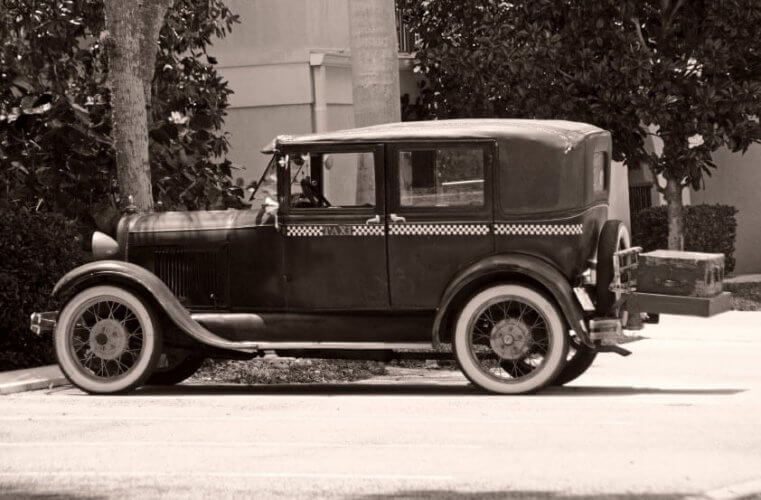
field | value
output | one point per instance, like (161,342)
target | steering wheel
(309,189)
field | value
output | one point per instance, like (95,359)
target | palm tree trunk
(375,73)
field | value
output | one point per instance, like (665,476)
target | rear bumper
(43,322)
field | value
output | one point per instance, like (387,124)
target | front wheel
(107,340)
(510,339)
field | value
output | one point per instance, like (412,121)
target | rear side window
(442,177)
(600,174)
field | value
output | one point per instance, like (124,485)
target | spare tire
(613,237)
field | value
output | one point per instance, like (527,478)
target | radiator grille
(196,277)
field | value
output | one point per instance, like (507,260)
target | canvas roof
(556,134)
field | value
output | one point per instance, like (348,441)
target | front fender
(125,273)
(505,267)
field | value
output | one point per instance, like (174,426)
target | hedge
(36,249)
(707,228)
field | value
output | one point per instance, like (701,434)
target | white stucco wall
(289,65)
(737,182)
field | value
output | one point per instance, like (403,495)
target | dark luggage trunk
(687,274)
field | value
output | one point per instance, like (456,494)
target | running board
(255,332)
(351,346)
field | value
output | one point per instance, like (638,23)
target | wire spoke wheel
(108,337)
(510,339)
(107,340)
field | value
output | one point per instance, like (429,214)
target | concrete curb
(744,278)
(30,379)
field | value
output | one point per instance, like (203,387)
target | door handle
(373,220)
(397,218)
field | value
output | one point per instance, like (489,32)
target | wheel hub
(510,338)
(108,339)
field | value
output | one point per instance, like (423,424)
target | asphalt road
(680,417)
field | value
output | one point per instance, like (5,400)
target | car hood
(163,227)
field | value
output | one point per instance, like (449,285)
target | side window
(332,180)
(442,177)
(600,173)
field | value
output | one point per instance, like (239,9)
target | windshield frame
(273,164)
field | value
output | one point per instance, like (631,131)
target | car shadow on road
(414,389)
(520,494)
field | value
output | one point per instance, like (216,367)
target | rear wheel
(580,358)
(174,367)
(510,339)
(107,340)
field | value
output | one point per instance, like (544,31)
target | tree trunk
(375,73)
(133,29)
(675,211)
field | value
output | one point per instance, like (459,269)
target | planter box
(685,274)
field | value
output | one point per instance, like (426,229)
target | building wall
(289,65)
(737,182)
(252,128)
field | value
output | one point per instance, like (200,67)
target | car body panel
(336,256)
(431,244)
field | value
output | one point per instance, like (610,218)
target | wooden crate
(687,274)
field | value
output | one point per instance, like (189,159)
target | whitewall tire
(107,340)
(510,339)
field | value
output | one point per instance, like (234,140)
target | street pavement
(680,417)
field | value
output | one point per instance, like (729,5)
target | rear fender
(510,267)
(125,273)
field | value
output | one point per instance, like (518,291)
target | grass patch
(287,371)
(745,296)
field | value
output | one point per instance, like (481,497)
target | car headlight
(104,246)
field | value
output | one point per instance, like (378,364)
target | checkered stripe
(539,229)
(305,230)
(438,229)
(368,230)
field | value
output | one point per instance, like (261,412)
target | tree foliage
(56,150)
(687,72)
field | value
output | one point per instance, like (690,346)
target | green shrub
(707,228)
(36,249)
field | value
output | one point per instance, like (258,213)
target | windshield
(267,185)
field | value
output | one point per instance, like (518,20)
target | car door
(439,216)
(334,228)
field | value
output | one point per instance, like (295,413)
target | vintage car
(501,238)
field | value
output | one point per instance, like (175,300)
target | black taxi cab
(496,237)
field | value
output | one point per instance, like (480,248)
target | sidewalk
(31,379)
